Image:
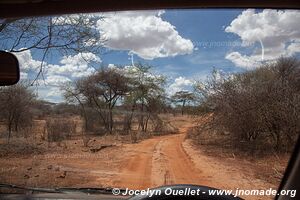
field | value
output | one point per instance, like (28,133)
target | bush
(263,103)
(59,129)
(15,105)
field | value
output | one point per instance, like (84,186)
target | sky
(184,45)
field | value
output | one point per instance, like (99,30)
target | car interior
(10,74)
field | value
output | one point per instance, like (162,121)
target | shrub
(263,103)
(59,129)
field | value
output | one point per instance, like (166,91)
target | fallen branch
(96,149)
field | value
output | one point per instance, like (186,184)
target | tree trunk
(111,121)
(9,132)
(146,122)
(183,104)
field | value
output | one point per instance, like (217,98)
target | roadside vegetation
(253,116)
(257,111)
(111,102)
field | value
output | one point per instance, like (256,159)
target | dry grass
(31,161)
(259,158)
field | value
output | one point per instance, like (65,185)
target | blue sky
(184,45)
(200,27)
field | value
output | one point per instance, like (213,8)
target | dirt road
(173,160)
(161,160)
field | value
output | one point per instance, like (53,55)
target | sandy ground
(160,160)
(171,159)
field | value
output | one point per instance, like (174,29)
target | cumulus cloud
(23,75)
(242,60)
(179,84)
(52,94)
(69,68)
(56,80)
(143,33)
(51,90)
(276,31)
(55,75)
(74,66)
(26,61)
(27,64)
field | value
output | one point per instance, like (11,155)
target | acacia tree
(101,91)
(109,86)
(183,97)
(204,90)
(145,88)
(15,103)
(73,93)
(135,88)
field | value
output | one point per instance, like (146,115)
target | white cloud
(143,33)
(111,66)
(55,75)
(26,61)
(74,66)
(242,60)
(277,32)
(179,84)
(23,75)
(56,80)
(70,67)
(52,94)
(293,48)
(27,64)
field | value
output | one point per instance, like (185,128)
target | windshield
(141,99)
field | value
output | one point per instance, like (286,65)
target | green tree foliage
(183,97)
